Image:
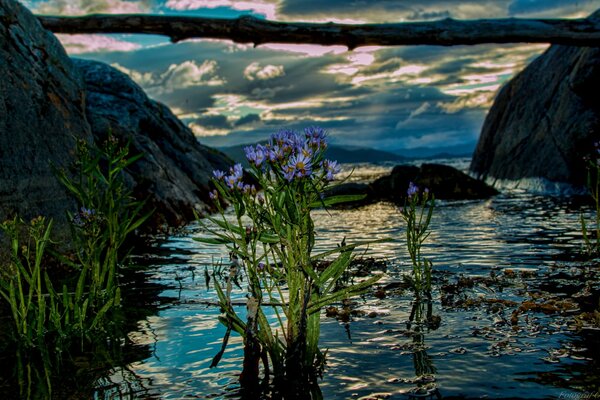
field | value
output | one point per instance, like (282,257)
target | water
(476,351)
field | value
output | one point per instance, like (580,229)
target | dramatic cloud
(82,44)
(81,7)
(262,7)
(255,71)
(177,76)
(391,98)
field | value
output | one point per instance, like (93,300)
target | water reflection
(391,345)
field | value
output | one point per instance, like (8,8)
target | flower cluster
(413,190)
(233,181)
(294,155)
(84,217)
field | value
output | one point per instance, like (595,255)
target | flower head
(316,137)
(218,174)
(412,189)
(298,166)
(214,195)
(234,179)
(256,155)
(331,169)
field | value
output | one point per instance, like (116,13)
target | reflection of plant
(417,213)
(592,244)
(270,241)
(421,320)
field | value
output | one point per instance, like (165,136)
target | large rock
(46,101)
(175,171)
(545,120)
(42,111)
(445,182)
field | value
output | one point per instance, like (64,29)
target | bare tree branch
(246,29)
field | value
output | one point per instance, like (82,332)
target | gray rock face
(176,169)
(445,182)
(545,120)
(41,112)
(46,101)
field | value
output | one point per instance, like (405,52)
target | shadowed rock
(545,120)
(41,113)
(443,181)
(176,169)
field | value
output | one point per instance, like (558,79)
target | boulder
(49,101)
(175,172)
(445,182)
(545,120)
(42,112)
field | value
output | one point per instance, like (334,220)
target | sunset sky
(394,98)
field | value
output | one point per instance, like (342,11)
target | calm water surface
(475,352)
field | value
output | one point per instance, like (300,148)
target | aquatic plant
(107,215)
(44,308)
(417,212)
(270,238)
(24,285)
(591,237)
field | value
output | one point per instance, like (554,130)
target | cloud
(255,71)
(189,73)
(82,44)
(250,119)
(82,7)
(177,76)
(263,7)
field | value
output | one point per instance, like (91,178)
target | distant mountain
(340,154)
(461,150)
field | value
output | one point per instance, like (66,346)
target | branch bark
(246,29)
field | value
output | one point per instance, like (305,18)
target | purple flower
(84,217)
(218,174)
(316,137)
(331,168)
(213,195)
(275,153)
(298,166)
(261,266)
(412,189)
(257,155)
(234,179)
(249,189)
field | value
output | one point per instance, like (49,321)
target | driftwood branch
(246,29)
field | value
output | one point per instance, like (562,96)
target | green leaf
(336,268)
(212,240)
(349,247)
(226,225)
(268,238)
(333,200)
(342,294)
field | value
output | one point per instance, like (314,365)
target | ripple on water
(473,352)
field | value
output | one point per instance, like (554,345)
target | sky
(390,98)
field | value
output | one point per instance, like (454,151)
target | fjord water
(475,352)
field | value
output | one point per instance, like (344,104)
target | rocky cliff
(545,120)
(47,101)
(175,171)
(42,111)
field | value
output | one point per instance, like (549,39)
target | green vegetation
(417,214)
(591,236)
(270,239)
(48,310)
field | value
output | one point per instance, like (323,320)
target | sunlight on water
(371,354)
